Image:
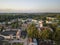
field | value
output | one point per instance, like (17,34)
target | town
(30,29)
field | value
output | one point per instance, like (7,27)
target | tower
(41,23)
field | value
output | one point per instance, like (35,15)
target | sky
(29,5)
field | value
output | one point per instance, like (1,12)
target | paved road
(25,42)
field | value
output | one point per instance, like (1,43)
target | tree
(45,34)
(1,29)
(56,35)
(32,31)
(53,26)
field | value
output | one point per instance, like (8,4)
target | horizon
(29,6)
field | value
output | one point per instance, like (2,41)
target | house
(34,21)
(11,34)
(24,26)
(23,21)
(50,18)
(48,22)
(9,22)
(45,28)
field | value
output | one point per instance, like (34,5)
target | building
(41,23)
(11,34)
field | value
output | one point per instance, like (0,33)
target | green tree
(56,35)
(32,31)
(1,29)
(45,34)
(53,26)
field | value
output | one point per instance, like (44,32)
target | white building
(41,23)
(35,21)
